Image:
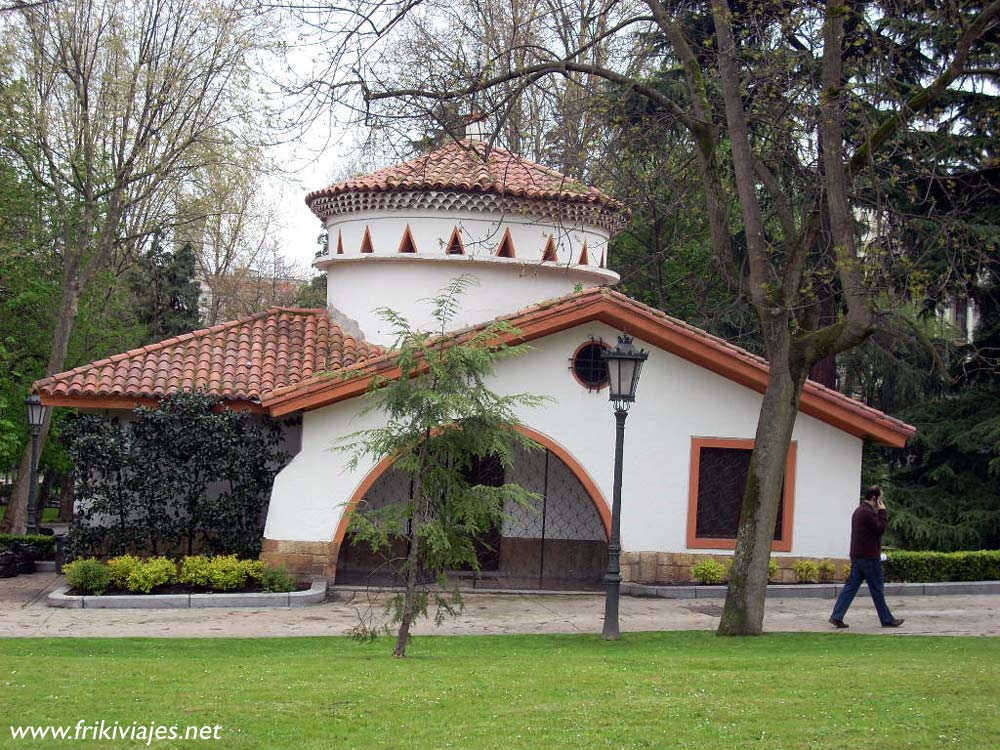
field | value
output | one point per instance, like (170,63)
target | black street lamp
(36,415)
(624,365)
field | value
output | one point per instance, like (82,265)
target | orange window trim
(788,501)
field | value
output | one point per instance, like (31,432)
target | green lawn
(49,515)
(656,690)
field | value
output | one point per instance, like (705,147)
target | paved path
(23,613)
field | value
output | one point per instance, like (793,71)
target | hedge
(44,543)
(930,567)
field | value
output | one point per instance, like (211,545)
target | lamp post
(36,415)
(624,365)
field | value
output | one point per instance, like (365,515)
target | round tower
(398,236)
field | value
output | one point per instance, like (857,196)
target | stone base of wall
(675,567)
(304,559)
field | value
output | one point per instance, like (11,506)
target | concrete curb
(815,590)
(315,594)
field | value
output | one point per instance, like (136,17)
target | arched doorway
(561,543)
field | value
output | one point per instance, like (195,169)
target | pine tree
(440,420)
(166,290)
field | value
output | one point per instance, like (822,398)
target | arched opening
(562,543)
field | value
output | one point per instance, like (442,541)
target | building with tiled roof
(536,245)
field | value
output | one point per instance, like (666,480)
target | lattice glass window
(565,511)
(392,487)
(722,478)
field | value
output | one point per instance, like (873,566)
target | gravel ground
(23,613)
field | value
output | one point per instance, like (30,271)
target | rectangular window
(719,469)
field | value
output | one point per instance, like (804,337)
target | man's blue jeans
(864,570)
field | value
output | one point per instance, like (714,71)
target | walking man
(867,526)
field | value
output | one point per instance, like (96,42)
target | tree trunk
(66,498)
(44,493)
(743,613)
(410,594)
(16,519)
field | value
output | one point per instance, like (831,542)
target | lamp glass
(624,366)
(36,411)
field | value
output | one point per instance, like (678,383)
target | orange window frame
(788,500)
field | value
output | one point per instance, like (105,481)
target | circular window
(589,367)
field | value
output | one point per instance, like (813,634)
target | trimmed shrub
(255,570)
(196,570)
(846,571)
(227,572)
(709,572)
(121,568)
(44,544)
(806,571)
(276,580)
(930,567)
(156,571)
(88,576)
(827,570)
(772,569)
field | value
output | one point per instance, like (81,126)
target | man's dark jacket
(867,527)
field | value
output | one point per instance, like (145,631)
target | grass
(49,515)
(652,690)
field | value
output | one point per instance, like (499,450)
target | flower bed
(130,575)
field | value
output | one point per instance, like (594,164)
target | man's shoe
(840,623)
(895,623)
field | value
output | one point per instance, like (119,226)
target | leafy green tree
(946,485)
(313,293)
(111,108)
(945,489)
(440,418)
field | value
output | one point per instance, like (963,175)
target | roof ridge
(818,388)
(163,344)
(557,305)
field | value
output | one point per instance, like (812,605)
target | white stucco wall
(359,283)
(481,232)
(677,400)
(357,288)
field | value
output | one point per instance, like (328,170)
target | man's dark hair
(873,492)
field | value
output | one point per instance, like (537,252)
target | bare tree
(110,107)
(789,110)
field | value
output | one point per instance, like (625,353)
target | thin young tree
(790,110)
(440,418)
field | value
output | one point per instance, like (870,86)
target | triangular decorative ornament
(366,242)
(602,258)
(455,244)
(506,247)
(584,255)
(549,255)
(340,242)
(407,245)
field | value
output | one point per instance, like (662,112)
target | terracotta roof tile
(470,166)
(242,360)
